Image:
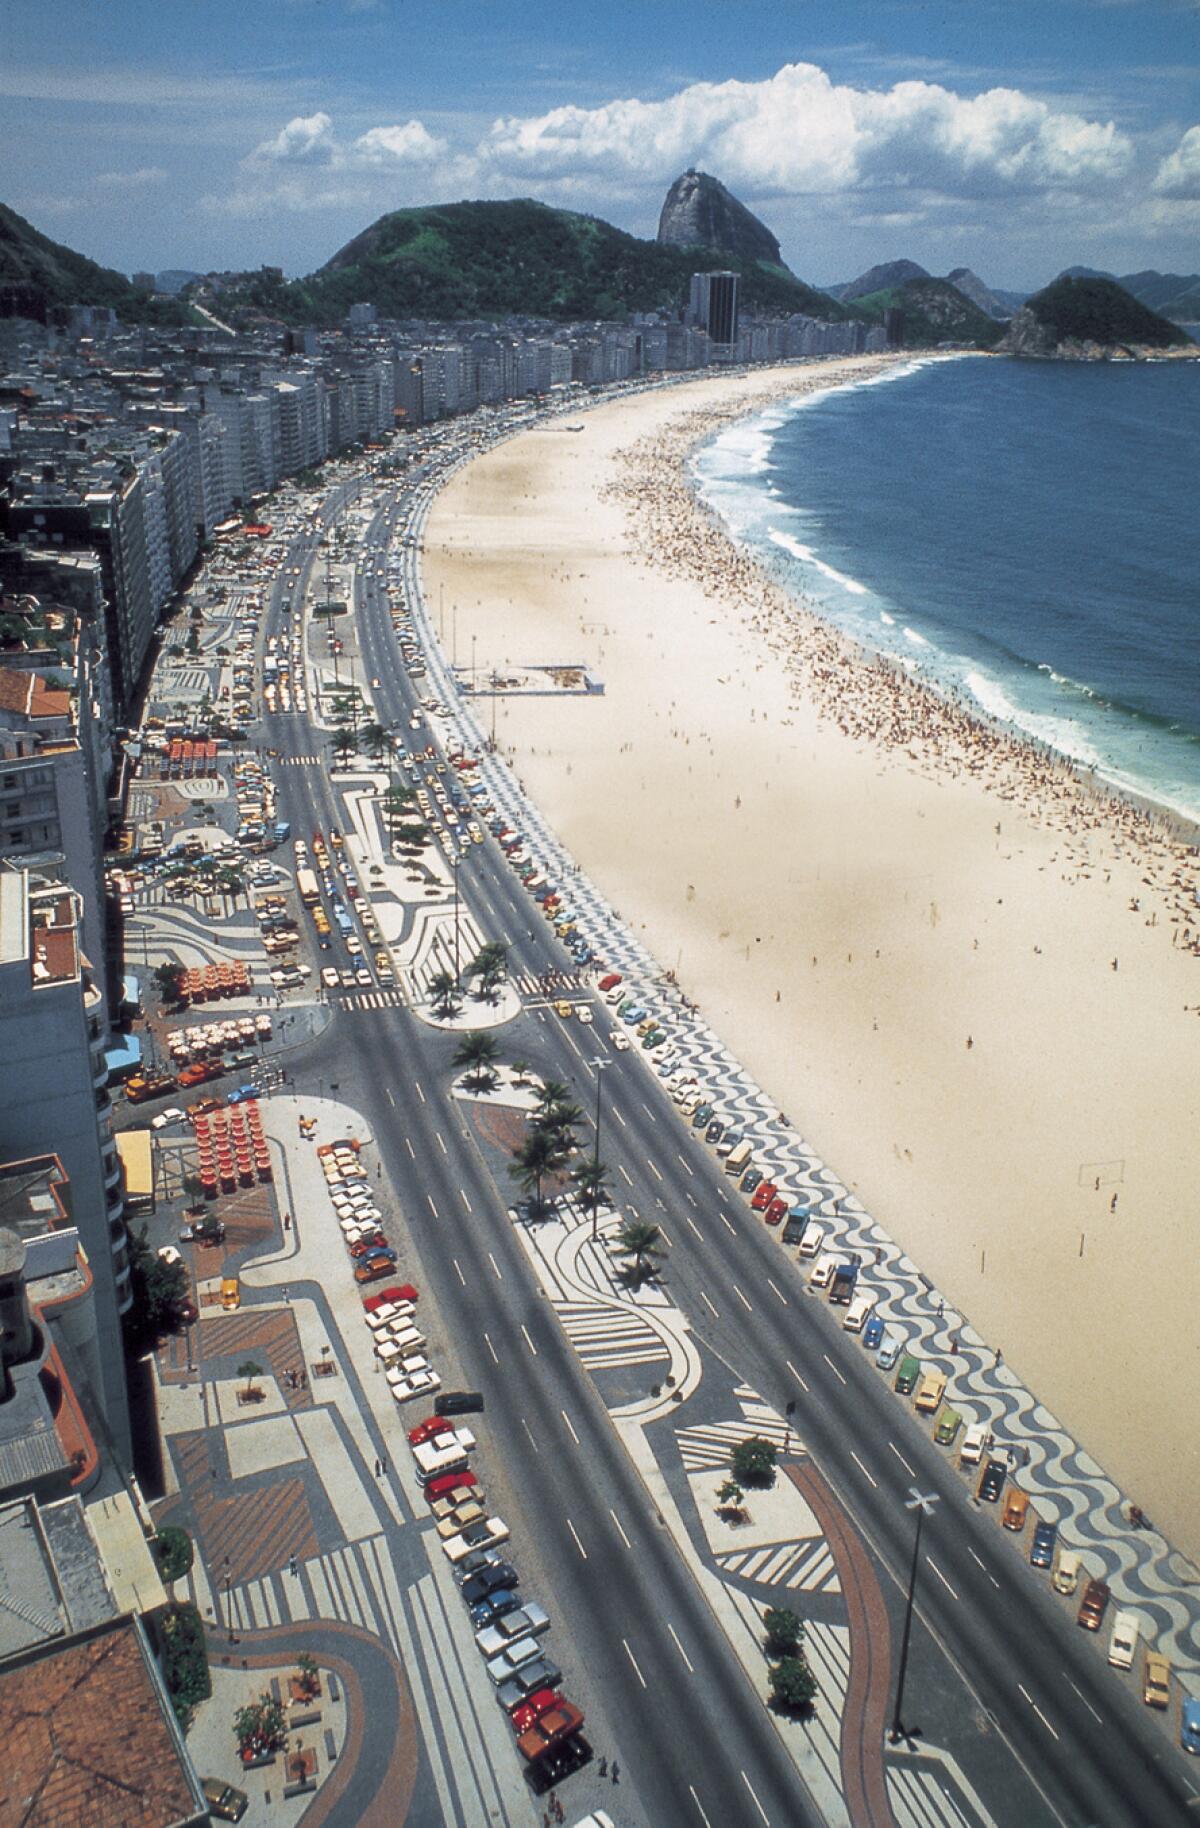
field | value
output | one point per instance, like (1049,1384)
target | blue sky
(1012,136)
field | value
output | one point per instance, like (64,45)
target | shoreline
(812,845)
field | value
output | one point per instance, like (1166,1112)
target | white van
(857,1312)
(1122,1644)
(739,1159)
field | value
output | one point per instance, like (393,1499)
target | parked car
(1016,1505)
(497,1576)
(872,1335)
(542,1701)
(561,1761)
(1156,1680)
(448,1483)
(1041,1549)
(512,1658)
(1189,1727)
(540,1673)
(992,1483)
(494,1606)
(225,1801)
(525,1622)
(764,1193)
(1093,1605)
(973,1444)
(948,1425)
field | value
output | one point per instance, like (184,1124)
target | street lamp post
(599,1063)
(457,976)
(922,1503)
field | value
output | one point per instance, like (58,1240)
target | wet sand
(969,979)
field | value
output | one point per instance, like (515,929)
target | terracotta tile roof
(86,1744)
(16,690)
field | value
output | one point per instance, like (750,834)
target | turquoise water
(1023,534)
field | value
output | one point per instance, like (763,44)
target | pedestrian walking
(293,1567)
(616,1772)
(604,1767)
(999,1358)
(287,1221)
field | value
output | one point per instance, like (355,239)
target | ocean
(1025,535)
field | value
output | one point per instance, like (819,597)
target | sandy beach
(968,980)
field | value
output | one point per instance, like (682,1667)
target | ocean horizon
(1022,536)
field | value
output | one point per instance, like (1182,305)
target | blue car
(1041,1549)
(635,1013)
(872,1335)
(1189,1728)
(377,1254)
(242,1093)
(494,1606)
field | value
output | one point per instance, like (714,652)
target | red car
(542,1701)
(405,1292)
(445,1483)
(776,1211)
(764,1193)
(610,982)
(432,1426)
(362,1245)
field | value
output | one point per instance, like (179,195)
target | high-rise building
(714,306)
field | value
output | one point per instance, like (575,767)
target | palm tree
(554,1091)
(490,966)
(638,1240)
(592,1185)
(521,1070)
(558,1122)
(344,744)
(532,1160)
(443,993)
(413,834)
(477,1052)
(373,738)
(397,800)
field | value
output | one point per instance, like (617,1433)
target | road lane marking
(731,1229)
(708,1304)
(862,1469)
(791,1367)
(1091,1710)
(532,1442)
(390,1099)
(649,1112)
(737,1291)
(912,1475)
(458,1271)
(619,1117)
(1037,1710)
(694,1226)
(833,1367)
(581,1548)
(408,1145)
(653,1169)
(776,1291)
(529,1341)
(620,1531)
(440,1143)
(495,1266)
(688,1197)
(757,1804)
(679,1647)
(420,1093)
(637,1672)
(491,1348)
(466,1202)
(433,1209)
(683,1164)
(942,1578)
(566,1418)
(622,1169)
(700,1807)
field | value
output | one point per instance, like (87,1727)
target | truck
(306,885)
(841,1289)
(796,1223)
(142,1087)
(738,1158)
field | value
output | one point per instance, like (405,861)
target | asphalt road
(1081,1740)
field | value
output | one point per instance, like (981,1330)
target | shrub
(185,1661)
(793,1685)
(785,1630)
(174,1552)
(752,1462)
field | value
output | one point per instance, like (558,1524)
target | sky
(1015,137)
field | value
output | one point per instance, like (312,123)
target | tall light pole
(599,1062)
(454,866)
(922,1503)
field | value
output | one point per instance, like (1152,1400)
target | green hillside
(1093,310)
(520,257)
(38,276)
(933,311)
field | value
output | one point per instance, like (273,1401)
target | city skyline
(1011,139)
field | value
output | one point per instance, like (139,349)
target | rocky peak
(700,213)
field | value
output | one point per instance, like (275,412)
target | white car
(330,977)
(584,1013)
(172,1115)
(620,1041)
(168,1254)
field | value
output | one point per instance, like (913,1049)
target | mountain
(1173,295)
(175,279)
(1085,273)
(972,287)
(1087,317)
(40,277)
(931,312)
(700,213)
(878,279)
(514,258)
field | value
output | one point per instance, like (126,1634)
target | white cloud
(799,132)
(411,144)
(306,139)
(1179,174)
(130,180)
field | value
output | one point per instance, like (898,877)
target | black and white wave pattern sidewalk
(1139,1566)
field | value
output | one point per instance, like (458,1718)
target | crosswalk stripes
(808,1566)
(372,999)
(919,1799)
(298,761)
(606,1338)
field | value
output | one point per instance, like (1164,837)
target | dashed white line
(942,1578)
(649,1112)
(466,1202)
(390,1099)
(757,1804)
(679,1647)
(1091,1710)
(708,1304)
(776,1291)
(458,1271)
(532,1442)
(683,1164)
(420,1093)
(440,1143)
(700,1807)
(619,1117)
(737,1291)
(582,1551)
(529,1341)
(908,1469)
(491,1348)
(833,1367)
(621,1169)
(862,1469)
(694,1227)
(653,1168)
(1037,1710)
(408,1145)
(619,1529)
(433,1209)
(495,1266)
(566,1418)
(725,1222)
(791,1367)
(637,1672)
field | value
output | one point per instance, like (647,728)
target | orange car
(374,1272)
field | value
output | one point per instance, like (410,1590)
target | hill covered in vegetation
(40,278)
(1076,312)
(931,312)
